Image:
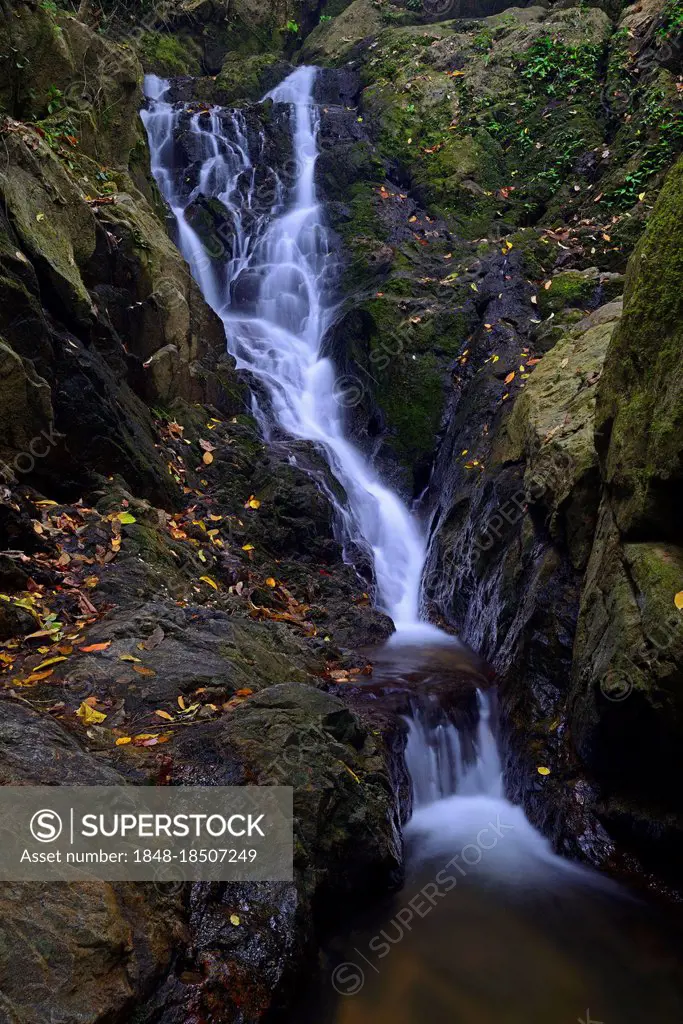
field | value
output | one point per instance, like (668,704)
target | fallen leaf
(510,377)
(245,692)
(678,600)
(270,582)
(89,716)
(122,740)
(50,661)
(207,458)
(143,671)
(209,581)
(125,518)
(128,657)
(95,647)
(153,640)
(165,715)
(35,677)
(543,771)
(234,919)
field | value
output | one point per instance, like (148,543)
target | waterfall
(272,293)
(440,764)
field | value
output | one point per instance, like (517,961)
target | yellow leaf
(44,503)
(50,661)
(678,600)
(247,547)
(543,771)
(89,716)
(209,581)
(181,703)
(252,502)
(270,582)
(207,458)
(351,773)
(165,715)
(122,740)
(128,657)
(234,919)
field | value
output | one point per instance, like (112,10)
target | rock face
(626,687)
(100,314)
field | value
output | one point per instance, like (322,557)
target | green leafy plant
(292,26)
(55,100)
(672,20)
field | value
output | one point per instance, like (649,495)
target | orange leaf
(510,377)
(95,647)
(142,671)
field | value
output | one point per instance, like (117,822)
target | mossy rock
(168,55)
(248,78)
(332,41)
(643,379)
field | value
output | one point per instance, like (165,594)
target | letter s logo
(46,826)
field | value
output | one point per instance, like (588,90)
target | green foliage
(672,20)
(292,26)
(55,100)
(324,18)
(557,69)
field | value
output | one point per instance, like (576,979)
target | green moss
(168,55)
(246,78)
(411,395)
(570,288)
(641,393)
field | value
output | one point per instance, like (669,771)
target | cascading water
(284,251)
(521,913)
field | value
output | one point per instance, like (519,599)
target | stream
(491,926)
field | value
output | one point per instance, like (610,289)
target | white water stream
(284,251)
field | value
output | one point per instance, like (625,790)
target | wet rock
(88,950)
